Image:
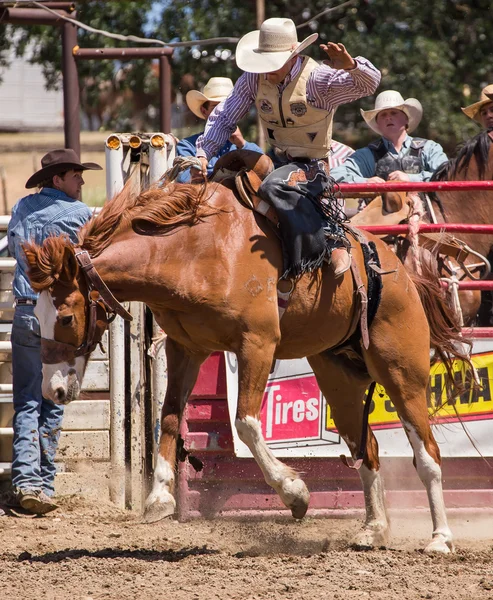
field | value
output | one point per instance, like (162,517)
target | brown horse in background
(208,269)
(392,208)
(474,162)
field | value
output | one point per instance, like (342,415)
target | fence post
(117,412)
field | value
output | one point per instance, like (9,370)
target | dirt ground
(88,550)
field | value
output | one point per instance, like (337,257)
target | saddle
(247,169)
(383,211)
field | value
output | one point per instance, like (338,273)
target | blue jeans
(37,421)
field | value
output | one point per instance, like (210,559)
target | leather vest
(290,123)
(386,162)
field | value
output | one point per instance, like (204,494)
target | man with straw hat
(482,111)
(396,156)
(53,210)
(202,104)
(295,99)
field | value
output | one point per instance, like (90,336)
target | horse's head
(72,318)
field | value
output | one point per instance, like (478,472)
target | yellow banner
(473,403)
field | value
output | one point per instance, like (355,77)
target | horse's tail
(444,322)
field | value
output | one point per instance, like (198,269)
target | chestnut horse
(208,268)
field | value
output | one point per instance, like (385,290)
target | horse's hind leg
(344,388)
(254,362)
(183,369)
(402,366)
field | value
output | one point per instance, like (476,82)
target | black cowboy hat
(56,162)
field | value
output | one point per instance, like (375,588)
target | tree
(438,51)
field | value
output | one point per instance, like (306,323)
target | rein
(99,296)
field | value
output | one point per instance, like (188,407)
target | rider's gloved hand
(337,56)
(199,176)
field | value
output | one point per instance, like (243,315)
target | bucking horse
(208,268)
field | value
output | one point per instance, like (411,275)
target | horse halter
(98,295)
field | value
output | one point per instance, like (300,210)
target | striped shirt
(338,154)
(326,88)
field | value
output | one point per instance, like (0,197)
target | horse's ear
(70,266)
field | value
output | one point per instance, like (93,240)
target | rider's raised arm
(332,87)
(223,120)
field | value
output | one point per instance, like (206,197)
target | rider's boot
(340,261)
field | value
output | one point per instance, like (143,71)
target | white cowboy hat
(392,99)
(269,48)
(472,111)
(216,89)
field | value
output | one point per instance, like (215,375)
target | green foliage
(438,51)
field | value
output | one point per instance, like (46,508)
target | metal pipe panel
(121,53)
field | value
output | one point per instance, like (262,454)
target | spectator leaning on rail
(482,111)
(55,209)
(201,104)
(396,156)
(295,98)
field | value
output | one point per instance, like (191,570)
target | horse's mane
(477,147)
(152,211)
(47,262)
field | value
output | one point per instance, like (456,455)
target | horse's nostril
(60,394)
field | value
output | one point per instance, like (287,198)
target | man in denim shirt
(53,210)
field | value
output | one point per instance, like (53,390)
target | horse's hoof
(298,497)
(299,507)
(372,537)
(157,511)
(440,544)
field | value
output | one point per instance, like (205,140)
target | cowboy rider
(482,111)
(295,99)
(396,156)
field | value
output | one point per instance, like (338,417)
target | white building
(25,104)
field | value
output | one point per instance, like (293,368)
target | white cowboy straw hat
(392,99)
(269,48)
(472,111)
(216,89)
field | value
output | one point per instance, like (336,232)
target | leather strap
(99,285)
(360,288)
(247,184)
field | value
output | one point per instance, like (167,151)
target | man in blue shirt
(201,104)
(53,210)
(396,156)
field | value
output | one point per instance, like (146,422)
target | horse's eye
(66,321)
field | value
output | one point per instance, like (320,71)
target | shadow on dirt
(146,555)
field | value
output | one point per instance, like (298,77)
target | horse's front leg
(254,362)
(183,369)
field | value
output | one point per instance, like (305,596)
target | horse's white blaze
(164,477)
(46,314)
(430,474)
(283,479)
(59,376)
